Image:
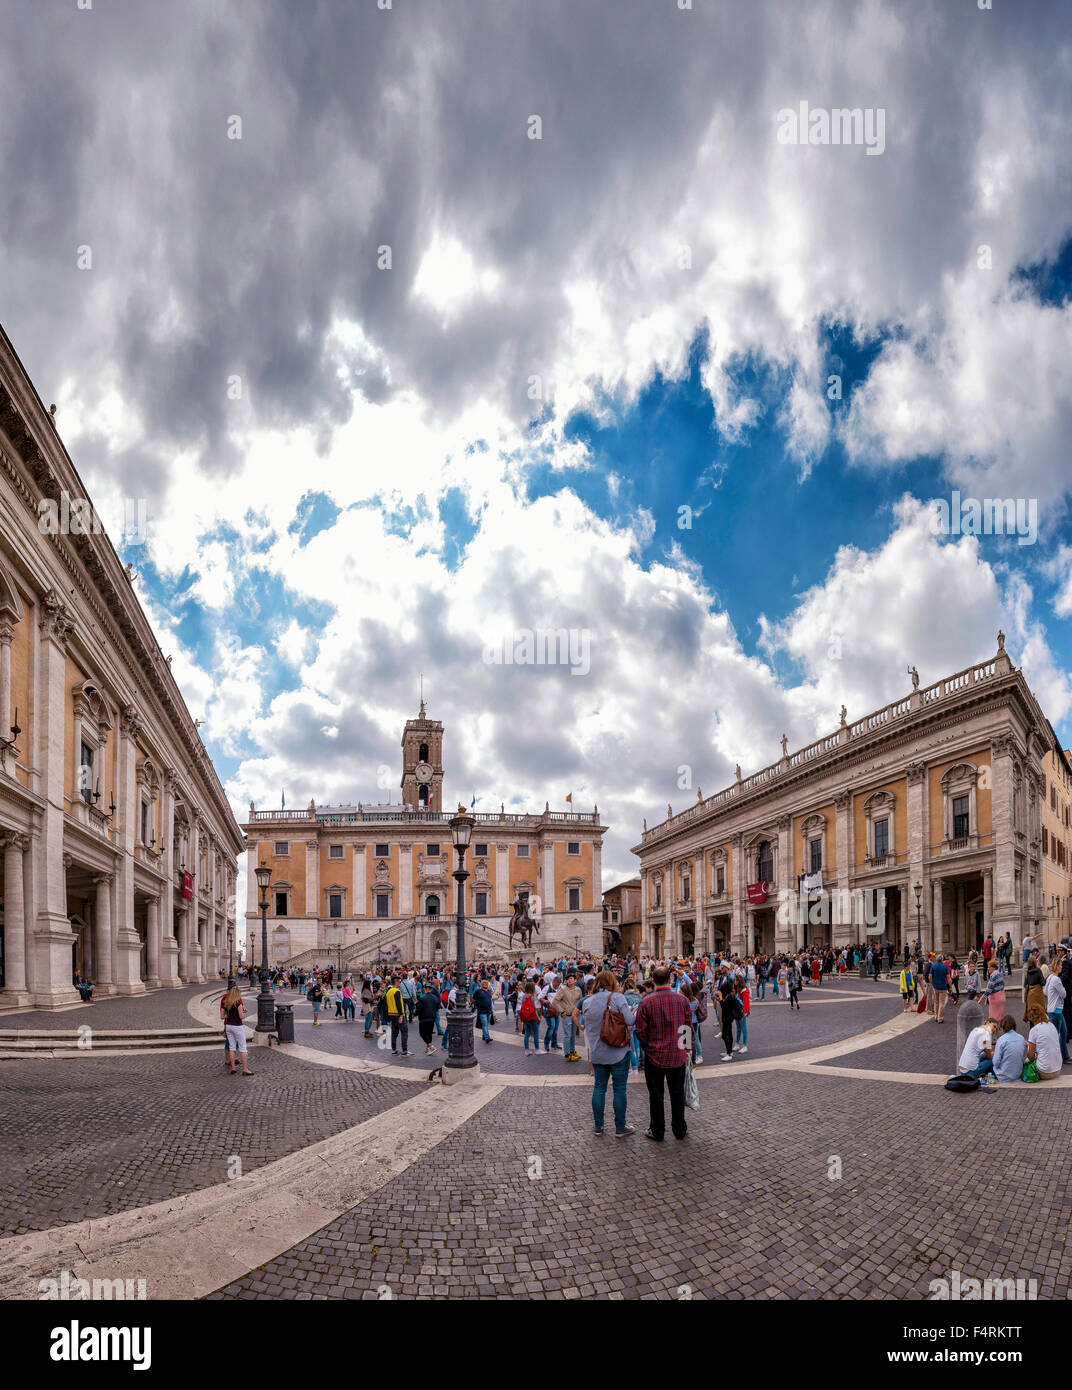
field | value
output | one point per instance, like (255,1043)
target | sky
(421,331)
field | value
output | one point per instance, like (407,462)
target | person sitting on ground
(977,1058)
(1043,1044)
(1009,1051)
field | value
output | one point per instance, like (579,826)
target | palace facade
(362,882)
(925,817)
(1056,869)
(119,849)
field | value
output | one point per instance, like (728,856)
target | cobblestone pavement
(828,1014)
(92,1136)
(743,1208)
(162,1008)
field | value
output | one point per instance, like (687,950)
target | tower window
(422,753)
(422,795)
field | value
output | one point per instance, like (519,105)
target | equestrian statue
(523,923)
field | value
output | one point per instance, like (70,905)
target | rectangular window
(960,818)
(815,852)
(432,851)
(335,851)
(145,822)
(481,851)
(281,904)
(575,900)
(882,838)
(382,851)
(282,847)
(522,851)
(720,880)
(85,777)
(481,904)
(1045,841)
(382,904)
(573,846)
(686,889)
(658,895)
(334,904)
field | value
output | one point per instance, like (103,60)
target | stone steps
(103,1041)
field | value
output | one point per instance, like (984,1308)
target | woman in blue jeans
(610,1065)
(632,998)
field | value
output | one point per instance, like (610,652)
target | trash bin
(284,1022)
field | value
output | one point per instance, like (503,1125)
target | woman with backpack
(744,999)
(529,1017)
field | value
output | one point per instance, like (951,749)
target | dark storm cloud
(364,127)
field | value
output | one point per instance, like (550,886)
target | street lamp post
(461,1054)
(230,960)
(265,1000)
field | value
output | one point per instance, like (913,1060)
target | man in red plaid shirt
(664,1030)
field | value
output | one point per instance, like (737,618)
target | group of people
(996,1048)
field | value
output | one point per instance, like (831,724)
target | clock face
(423,773)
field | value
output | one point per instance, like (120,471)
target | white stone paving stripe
(189,1246)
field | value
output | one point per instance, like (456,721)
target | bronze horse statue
(522,923)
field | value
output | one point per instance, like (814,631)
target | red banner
(757,892)
(187,885)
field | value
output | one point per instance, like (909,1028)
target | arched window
(431,907)
(422,794)
(422,754)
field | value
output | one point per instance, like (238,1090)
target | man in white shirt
(979,1045)
(1055,1007)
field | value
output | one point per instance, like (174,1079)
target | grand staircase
(393,944)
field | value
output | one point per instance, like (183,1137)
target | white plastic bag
(692,1094)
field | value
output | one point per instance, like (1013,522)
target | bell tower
(422,763)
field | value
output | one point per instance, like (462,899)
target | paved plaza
(811,1169)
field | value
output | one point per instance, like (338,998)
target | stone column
(152,943)
(360,906)
(739,911)
(988,902)
(844,932)
(785,920)
(937,932)
(1006,911)
(53,937)
(16,932)
(188,947)
(102,936)
(313,906)
(7,633)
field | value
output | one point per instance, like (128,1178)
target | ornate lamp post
(265,1000)
(461,1055)
(230,959)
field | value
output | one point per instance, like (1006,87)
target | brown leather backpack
(613,1030)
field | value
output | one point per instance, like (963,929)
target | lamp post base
(265,1006)
(461,1052)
